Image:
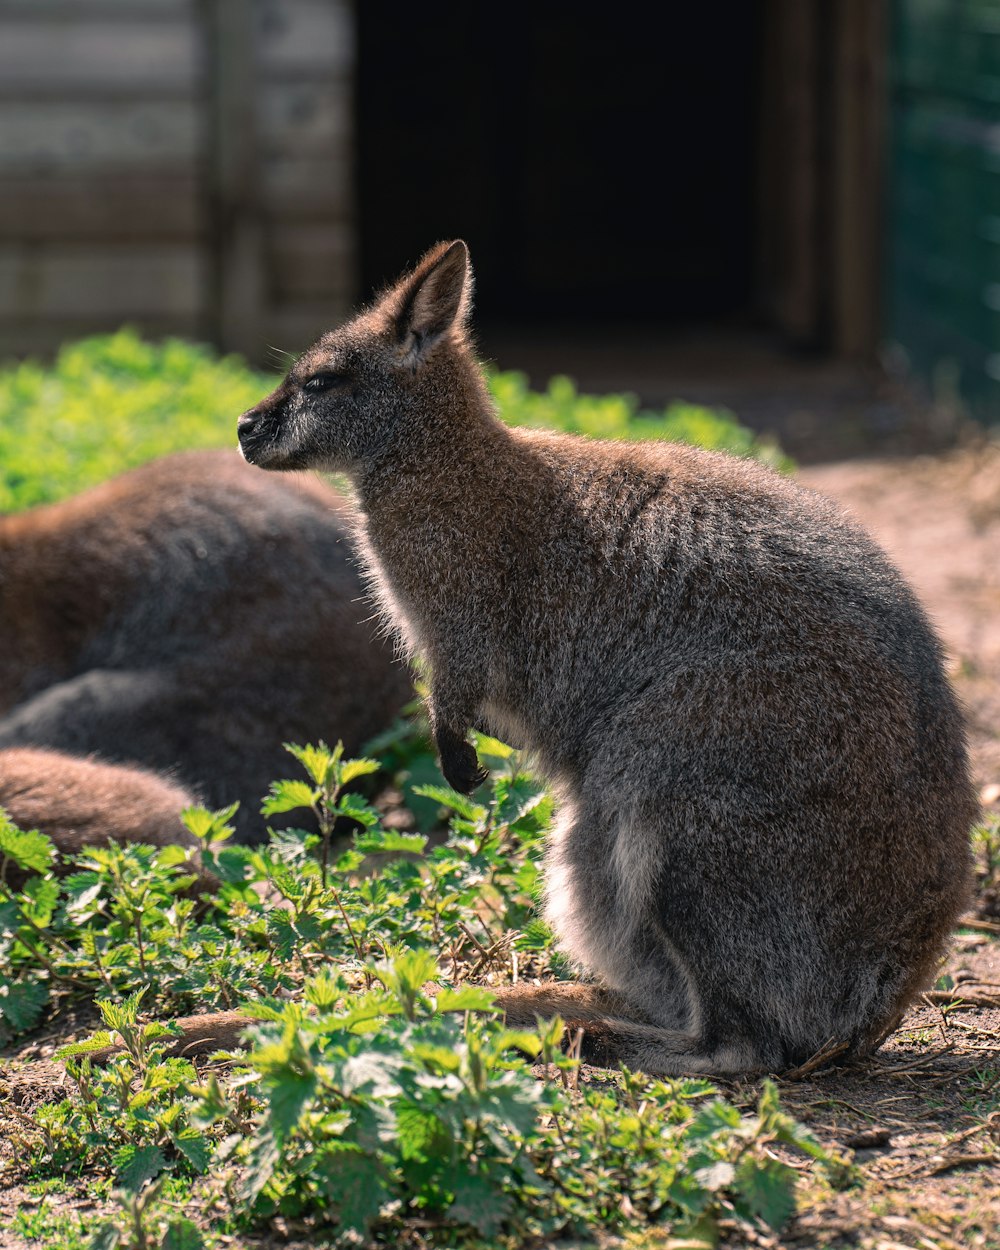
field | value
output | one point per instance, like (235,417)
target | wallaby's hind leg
(604,901)
(614,1032)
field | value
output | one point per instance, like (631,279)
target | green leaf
(137,1164)
(466,998)
(479,1202)
(767,1188)
(10,918)
(288,796)
(715,1117)
(182,1234)
(352,1181)
(420,1133)
(454,801)
(22,1002)
(207,826)
(121,1015)
(318,761)
(323,991)
(354,807)
(389,842)
(170,856)
(516,796)
(288,1096)
(39,898)
(194,1146)
(408,972)
(97,1042)
(262,1159)
(29,849)
(351,769)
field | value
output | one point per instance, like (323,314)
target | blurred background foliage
(111,402)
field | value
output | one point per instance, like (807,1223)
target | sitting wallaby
(191,616)
(764,794)
(80,803)
(762,840)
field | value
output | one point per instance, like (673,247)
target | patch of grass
(109,403)
(53,1228)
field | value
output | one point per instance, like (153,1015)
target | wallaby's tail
(199,1035)
(615,1033)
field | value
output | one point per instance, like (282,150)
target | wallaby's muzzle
(258,430)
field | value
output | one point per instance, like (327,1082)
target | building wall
(181,165)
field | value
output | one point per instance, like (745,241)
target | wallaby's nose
(246,421)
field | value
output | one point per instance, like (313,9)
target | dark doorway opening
(682,200)
(599,161)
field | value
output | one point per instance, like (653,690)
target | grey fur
(762,839)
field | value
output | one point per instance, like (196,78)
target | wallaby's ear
(433,300)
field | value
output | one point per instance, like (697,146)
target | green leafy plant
(561,407)
(114,401)
(381,1092)
(109,403)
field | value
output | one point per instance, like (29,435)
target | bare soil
(921,1119)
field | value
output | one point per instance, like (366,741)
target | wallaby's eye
(326,381)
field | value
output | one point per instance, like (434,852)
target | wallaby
(763,788)
(764,794)
(191,616)
(80,803)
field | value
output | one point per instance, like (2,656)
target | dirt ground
(922,1118)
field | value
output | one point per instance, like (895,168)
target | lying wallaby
(81,802)
(190,616)
(765,799)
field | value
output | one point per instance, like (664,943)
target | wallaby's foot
(459,762)
(199,1035)
(614,1033)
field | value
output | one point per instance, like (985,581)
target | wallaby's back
(190,616)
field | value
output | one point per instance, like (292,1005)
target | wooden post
(858,148)
(239,295)
(790,189)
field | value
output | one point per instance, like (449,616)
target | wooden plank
(105,204)
(101,56)
(124,282)
(238,277)
(310,262)
(304,117)
(131,9)
(296,36)
(310,187)
(19,337)
(45,134)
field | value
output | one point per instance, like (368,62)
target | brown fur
(764,801)
(80,803)
(190,617)
(199,1035)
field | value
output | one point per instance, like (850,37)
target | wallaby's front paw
(461,767)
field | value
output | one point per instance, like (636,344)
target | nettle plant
(381,1091)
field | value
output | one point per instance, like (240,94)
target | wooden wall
(182,165)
